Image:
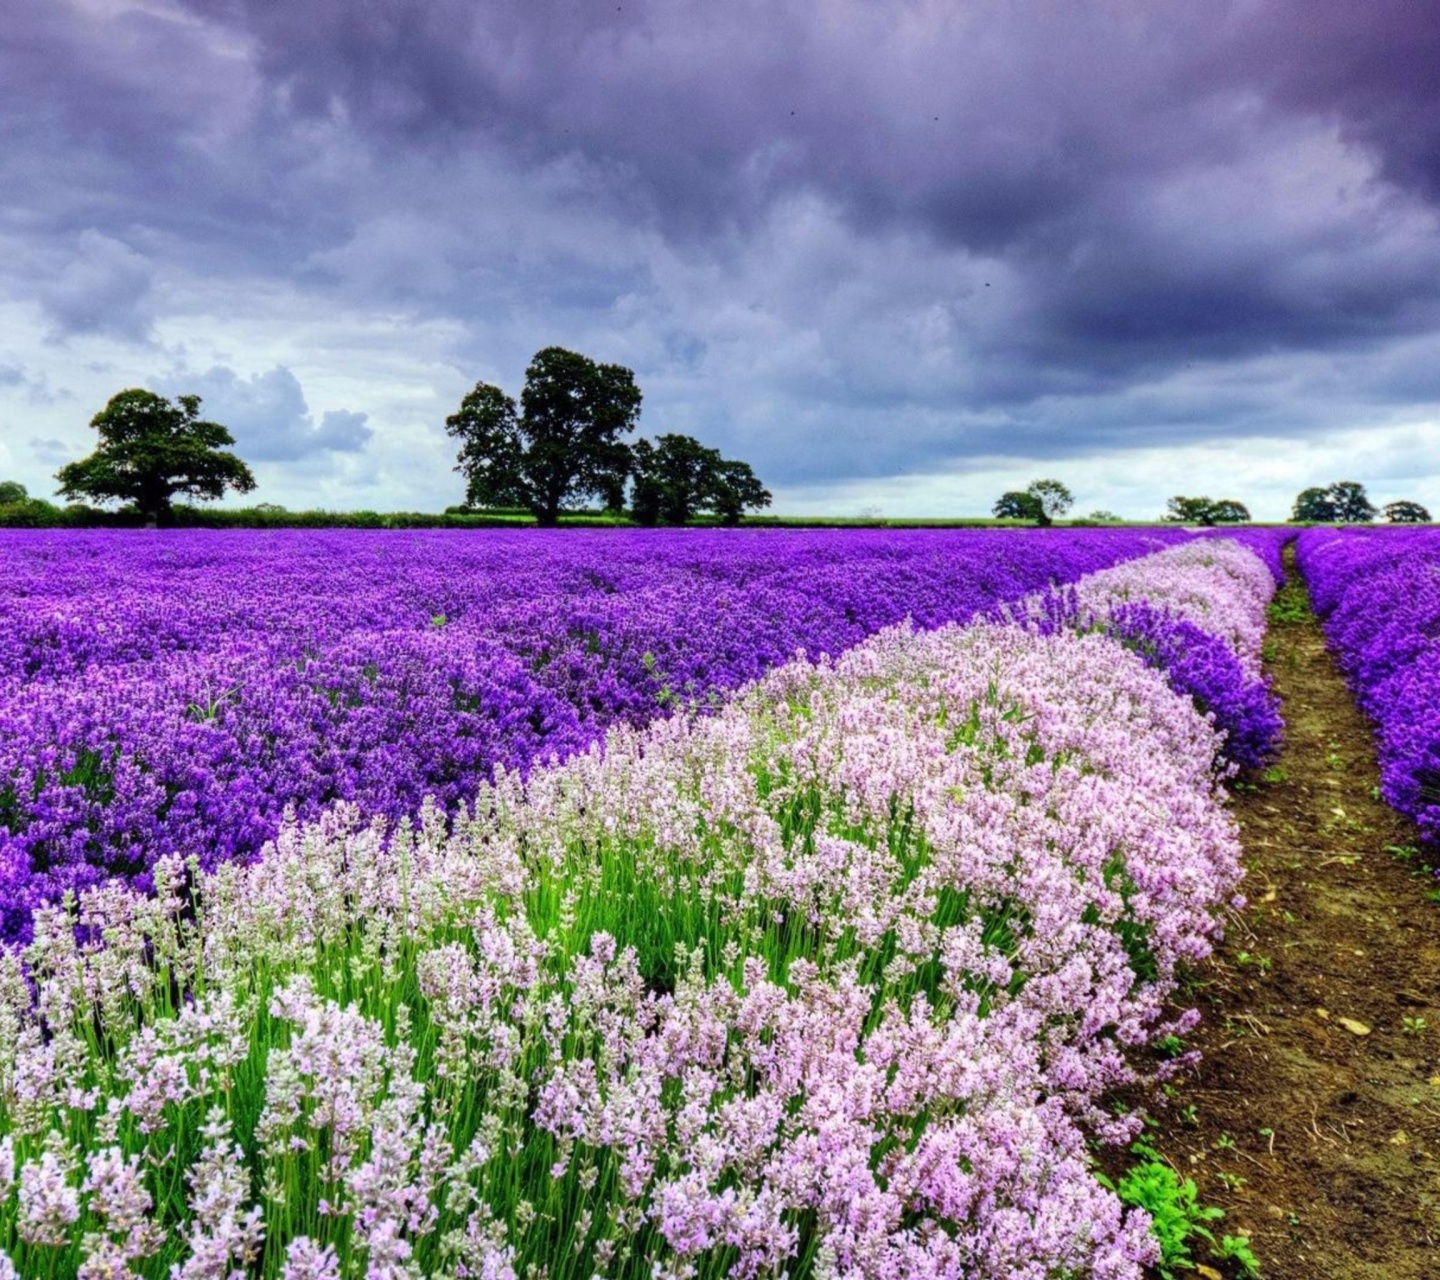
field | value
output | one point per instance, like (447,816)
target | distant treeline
(35,513)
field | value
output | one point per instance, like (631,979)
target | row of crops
(176,694)
(1378,595)
(832,980)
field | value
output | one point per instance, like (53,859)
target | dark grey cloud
(853,239)
(268,415)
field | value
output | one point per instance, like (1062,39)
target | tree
(1404,512)
(677,477)
(1343,502)
(1018,504)
(1313,506)
(737,490)
(150,450)
(1228,511)
(12,491)
(1352,506)
(1041,501)
(563,445)
(1206,511)
(1054,498)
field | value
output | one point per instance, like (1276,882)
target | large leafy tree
(561,446)
(11,492)
(677,477)
(1206,511)
(1343,502)
(152,449)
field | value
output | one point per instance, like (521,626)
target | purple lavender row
(1377,592)
(175,693)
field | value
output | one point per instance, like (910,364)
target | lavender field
(1378,592)
(176,693)
(700,959)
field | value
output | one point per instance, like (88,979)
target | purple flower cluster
(1208,671)
(1377,592)
(177,692)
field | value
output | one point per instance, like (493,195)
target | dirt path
(1314,1118)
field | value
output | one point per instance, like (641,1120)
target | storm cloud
(858,241)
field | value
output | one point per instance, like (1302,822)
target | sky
(899,255)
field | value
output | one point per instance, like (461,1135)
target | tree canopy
(1018,504)
(562,446)
(12,491)
(677,477)
(1405,512)
(150,450)
(1206,511)
(1343,502)
(1040,501)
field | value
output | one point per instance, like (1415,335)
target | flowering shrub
(1377,592)
(175,693)
(829,983)
(1207,642)
(1202,666)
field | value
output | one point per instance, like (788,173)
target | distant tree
(12,491)
(1105,517)
(1018,504)
(677,477)
(737,490)
(563,445)
(1206,511)
(1352,506)
(1313,506)
(150,450)
(1343,502)
(1054,498)
(1041,501)
(1182,510)
(1404,512)
(1228,511)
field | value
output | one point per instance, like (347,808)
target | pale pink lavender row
(175,692)
(1377,592)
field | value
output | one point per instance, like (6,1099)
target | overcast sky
(900,255)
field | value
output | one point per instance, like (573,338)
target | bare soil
(1313,1118)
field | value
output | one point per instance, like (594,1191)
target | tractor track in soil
(1313,1116)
